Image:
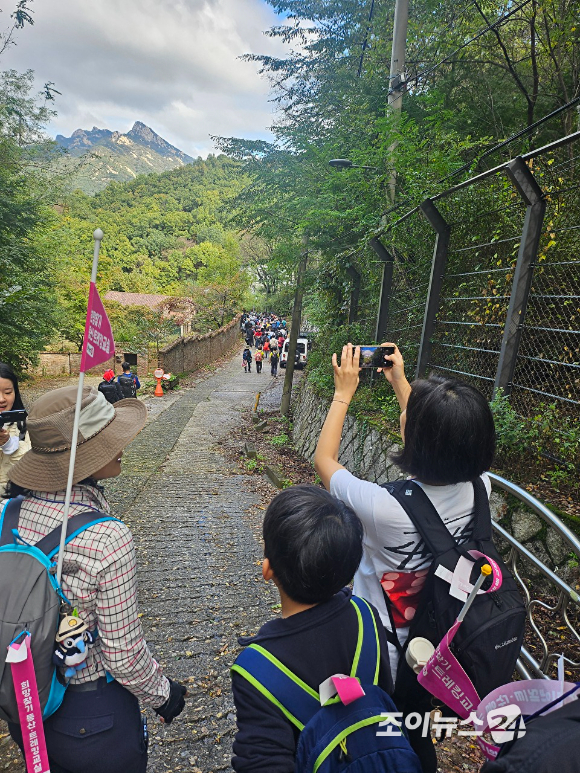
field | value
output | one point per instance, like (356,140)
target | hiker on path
(247,360)
(128,381)
(274,358)
(312,547)
(13,442)
(99,726)
(259,356)
(449,441)
(111,388)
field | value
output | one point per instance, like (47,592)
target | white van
(301,353)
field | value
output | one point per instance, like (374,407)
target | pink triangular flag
(98,343)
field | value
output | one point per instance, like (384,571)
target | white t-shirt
(391,542)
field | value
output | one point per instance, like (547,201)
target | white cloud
(172,64)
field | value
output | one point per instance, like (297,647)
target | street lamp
(346,163)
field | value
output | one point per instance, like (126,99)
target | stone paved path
(200,584)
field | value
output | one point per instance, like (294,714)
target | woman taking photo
(449,441)
(14,442)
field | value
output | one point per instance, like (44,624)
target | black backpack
(111,391)
(128,386)
(488,641)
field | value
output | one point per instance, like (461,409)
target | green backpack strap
(295,699)
(367,657)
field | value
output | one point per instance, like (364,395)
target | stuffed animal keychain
(73,638)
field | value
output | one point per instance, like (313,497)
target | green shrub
(280,440)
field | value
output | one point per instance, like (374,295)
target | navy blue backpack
(335,738)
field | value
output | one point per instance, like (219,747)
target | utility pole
(295,329)
(397,77)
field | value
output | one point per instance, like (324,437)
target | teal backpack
(30,601)
(335,738)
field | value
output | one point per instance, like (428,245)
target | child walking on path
(247,360)
(312,547)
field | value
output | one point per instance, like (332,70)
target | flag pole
(485,572)
(97,236)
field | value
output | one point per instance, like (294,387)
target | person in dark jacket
(110,388)
(247,359)
(312,548)
(128,381)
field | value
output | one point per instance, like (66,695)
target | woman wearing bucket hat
(99,726)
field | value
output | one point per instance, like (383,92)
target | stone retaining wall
(365,452)
(192,352)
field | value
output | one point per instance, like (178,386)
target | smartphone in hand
(374,356)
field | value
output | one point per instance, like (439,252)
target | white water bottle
(419,650)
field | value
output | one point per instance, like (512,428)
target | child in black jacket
(312,548)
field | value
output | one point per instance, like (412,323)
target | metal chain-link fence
(487,220)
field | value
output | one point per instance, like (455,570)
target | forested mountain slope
(96,157)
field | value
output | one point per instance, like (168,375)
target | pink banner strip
(20,659)
(444,677)
(528,695)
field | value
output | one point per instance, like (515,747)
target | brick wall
(69,363)
(192,352)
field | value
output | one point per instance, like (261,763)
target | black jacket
(111,390)
(551,743)
(314,644)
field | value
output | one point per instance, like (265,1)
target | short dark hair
(7,372)
(313,542)
(449,432)
(126,365)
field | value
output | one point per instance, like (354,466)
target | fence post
(386,286)
(526,185)
(443,231)
(354,274)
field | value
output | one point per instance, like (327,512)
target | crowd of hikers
(331,683)
(267,333)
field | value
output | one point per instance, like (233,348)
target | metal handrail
(528,666)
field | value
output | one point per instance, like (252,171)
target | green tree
(27,300)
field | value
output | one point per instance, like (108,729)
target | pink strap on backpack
(29,711)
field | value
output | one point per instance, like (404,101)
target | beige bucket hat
(104,430)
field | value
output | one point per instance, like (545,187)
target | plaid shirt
(99,580)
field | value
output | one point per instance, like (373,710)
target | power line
(474,165)
(482,32)
(447,28)
(365,41)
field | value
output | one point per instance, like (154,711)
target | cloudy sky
(172,64)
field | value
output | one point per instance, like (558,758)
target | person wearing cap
(99,726)
(110,388)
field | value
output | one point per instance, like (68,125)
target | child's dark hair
(7,372)
(126,365)
(313,542)
(449,432)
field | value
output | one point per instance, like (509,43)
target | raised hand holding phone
(395,375)
(346,375)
